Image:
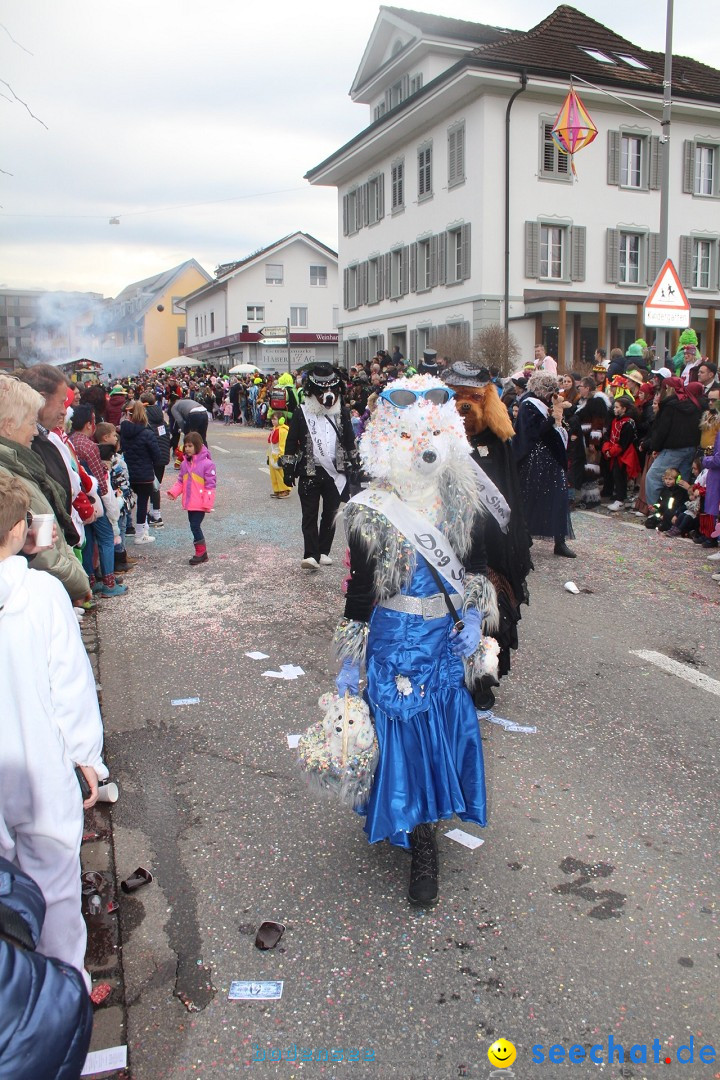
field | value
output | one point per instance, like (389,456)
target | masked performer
(320,450)
(507,544)
(408,534)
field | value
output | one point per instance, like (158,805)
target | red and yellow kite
(573,128)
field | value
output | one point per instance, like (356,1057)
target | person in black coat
(320,450)
(45,1012)
(157,423)
(540,449)
(142,454)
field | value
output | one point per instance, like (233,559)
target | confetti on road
(287,671)
(186,701)
(258,655)
(465,838)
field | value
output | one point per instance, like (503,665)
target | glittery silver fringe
(480,593)
(482,662)
(350,640)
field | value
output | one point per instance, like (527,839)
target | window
(212,322)
(634,160)
(256,313)
(633,62)
(551,251)
(375,285)
(273,274)
(298,316)
(630,258)
(554,250)
(698,264)
(318,277)
(351,221)
(416,82)
(425,172)
(597,55)
(197,334)
(375,199)
(350,288)
(554,165)
(456,155)
(633,256)
(398,272)
(397,183)
(700,168)
(379,111)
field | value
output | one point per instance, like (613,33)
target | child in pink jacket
(196,481)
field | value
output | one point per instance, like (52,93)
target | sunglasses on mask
(403,399)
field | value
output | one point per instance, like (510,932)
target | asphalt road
(591,909)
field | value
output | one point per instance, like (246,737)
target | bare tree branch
(25,104)
(15,42)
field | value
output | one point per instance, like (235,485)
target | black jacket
(142,452)
(298,458)
(156,421)
(677,425)
(55,467)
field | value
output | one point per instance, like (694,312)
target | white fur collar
(312,405)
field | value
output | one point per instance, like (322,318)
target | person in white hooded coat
(50,723)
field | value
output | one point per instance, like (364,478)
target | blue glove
(467,640)
(348,678)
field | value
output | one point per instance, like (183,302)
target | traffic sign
(274,341)
(667,304)
(274,332)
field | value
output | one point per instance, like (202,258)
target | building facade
(39,327)
(456,210)
(295,281)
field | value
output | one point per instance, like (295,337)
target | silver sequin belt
(430,607)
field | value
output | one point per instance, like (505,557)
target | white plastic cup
(42,528)
(108,792)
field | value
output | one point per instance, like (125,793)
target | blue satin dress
(431,761)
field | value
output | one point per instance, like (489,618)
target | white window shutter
(612,253)
(653,256)
(465,241)
(532,249)
(613,162)
(689,166)
(686,259)
(442,258)
(413,267)
(577,252)
(655,172)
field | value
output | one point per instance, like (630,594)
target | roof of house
(158,283)
(442,26)
(230,268)
(556,47)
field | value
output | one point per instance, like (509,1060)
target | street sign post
(667,304)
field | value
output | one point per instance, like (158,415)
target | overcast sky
(195,122)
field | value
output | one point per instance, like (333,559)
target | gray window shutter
(387,274)
(363,206)
(380,278)
(413,357)
(577,252)
(686,260)
(465,241)
(388,100)
(532,249)
(442,258)
(405,87)
(363,283)
(431,337)
(612,262)
(381,196)
(433,261)
(653,256)
(689,166)
(345,215)
(613,162)
(655,173)
(346,287)
(404,260)
(413,267)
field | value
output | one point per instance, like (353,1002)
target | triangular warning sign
(667,292)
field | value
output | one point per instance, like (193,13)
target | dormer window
(633,62)
(601,57)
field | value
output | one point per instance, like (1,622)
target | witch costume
(540,448)
(406,535)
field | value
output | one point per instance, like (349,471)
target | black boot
(424,868)
(561,548)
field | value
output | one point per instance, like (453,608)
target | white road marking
(606,517)
(703,682)
(220,448)
(264,468)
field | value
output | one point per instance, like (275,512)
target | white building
(431,221)
(295,281)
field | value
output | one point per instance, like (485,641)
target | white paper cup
(108,792)
(42,528)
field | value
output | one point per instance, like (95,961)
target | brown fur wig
(481,408)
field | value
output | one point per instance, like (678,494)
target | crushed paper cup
(570,586)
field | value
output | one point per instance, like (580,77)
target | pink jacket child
(196,480)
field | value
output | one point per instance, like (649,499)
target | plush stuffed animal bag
(339,753)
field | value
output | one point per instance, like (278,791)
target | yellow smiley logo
(502,1054)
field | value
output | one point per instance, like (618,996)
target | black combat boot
(561,548)
(424,868)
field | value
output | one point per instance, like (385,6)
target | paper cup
(571,587)
(108,792)
(42,528)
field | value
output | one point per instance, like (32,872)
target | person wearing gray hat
(429,365)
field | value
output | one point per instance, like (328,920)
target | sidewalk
(103,958)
